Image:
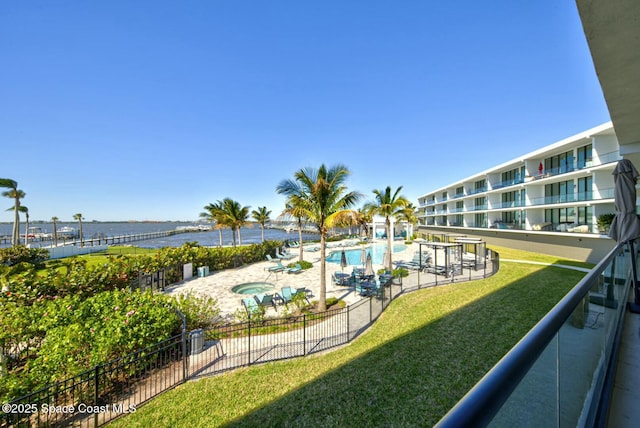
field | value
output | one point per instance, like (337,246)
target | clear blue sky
(150,110)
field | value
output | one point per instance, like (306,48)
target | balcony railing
(509,204)
(573,197)
(476,191)
(557,374)
(507,183)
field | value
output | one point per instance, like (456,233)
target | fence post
(348,335)
(370,311)
(96,393)
(304,334)
(249,340)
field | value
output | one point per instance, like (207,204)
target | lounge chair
(250,304)
(340,278)
(265,300)
(286,294)
(278,267)
(303,292)
(271,259)
(296,269)
(284,256)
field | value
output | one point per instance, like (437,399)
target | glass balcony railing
(509,204)
(573,197)
(507,183)
(557,374)
(476,191)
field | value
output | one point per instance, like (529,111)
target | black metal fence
(118,387)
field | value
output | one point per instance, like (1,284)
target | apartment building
(559,190)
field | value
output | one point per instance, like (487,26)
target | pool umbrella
(368,270)
(343,261)
(385,260)
(626,226)
(363,256)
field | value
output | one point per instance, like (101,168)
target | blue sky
(150,110)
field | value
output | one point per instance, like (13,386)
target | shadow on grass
(416,378)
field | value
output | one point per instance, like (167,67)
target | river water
(210,238)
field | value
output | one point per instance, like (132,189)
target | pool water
(354,257)
(253,288)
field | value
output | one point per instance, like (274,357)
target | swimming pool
(253,288)
(354,256)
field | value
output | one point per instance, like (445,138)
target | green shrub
(75,334)
(333,301)
(303,264)
(21,254)
(401,272)
(201,311)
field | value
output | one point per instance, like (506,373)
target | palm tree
(15,194)
(291,209)
(214,214)
(261,216)
(387,205)
(55,219)
(363,219)
(232,214)
(25,210)
(408,214)
(79,218)
(320,194)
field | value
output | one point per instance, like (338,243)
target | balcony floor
(624,410)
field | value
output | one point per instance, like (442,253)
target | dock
(102,240)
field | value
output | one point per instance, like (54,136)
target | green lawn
(422,355)
(101,257)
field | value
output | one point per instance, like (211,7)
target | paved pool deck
(219,284)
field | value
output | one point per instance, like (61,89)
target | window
(585,192)
(556,193)
(585,156)
(480,220)
(585,215)
(560,215)
(559,164)
(511,177)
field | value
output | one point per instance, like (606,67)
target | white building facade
(559,189)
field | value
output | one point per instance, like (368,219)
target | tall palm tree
(261,216)
(293,210)
(322,196)
(25,210)
(387,205)
(55,219)
(363,219)
(233,215)
(79,218)
(15,194)
(214,214)
(408,214)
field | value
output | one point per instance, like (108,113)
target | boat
(67,232)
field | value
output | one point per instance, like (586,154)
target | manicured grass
(101,257)
(422,355)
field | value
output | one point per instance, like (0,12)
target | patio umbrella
(540,168)
(368,270)
(626,226)
(385,259)
(343,261)
(363,256)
